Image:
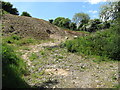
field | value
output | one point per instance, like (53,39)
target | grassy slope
(13,69)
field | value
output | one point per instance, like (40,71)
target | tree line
(8,7)
(82,22)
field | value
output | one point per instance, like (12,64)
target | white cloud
(93,11)
(96,1)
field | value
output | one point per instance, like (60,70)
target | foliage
(51,20)
(17,40)
(81,18)
(94,25)
(62,22)
(25,14)
(72,26)
(104,44)
(13,68)
(7,6)
(109,11)
(33,56)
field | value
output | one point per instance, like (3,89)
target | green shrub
(12,69)
(15,39)
(25,14)
(11,39)
(104,44)
(25,41)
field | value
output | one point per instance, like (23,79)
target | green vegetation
(13,68)
(101,43)
(81,19)
(25,14)
(17,40)
(104,43)
(62,22)
(33,56)
(8,7)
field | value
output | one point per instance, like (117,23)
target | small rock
(97,81)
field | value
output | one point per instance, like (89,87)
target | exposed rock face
(28,26)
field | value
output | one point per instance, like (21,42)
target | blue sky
(52,10)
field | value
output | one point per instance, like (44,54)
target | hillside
(28,26)
(48,63)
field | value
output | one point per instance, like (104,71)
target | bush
(15,39)
(25,14)
(51,21)
(12,69)
(104,44)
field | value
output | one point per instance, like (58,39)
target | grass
(22,41)
(33,56)
(42,52)
(13,68)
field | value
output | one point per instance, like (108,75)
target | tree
(92,26)
(66,22)
(72,26)
(7,6)
(80,18)
(62,22)
(109,11)
(25,14)
(51,20)
(58,20)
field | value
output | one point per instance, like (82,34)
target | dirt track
(56,68)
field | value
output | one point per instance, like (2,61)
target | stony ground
(52,66)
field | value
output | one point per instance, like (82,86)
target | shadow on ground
(47,84)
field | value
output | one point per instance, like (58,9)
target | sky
(52,10)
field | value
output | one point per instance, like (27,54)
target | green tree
(25,14)
(66,22)
(58,20)
(62,22)
(92,25)
(109,11)
(81,19)
(51,20)
(7,6)
(72,26)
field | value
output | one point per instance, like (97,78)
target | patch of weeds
(16,37)
(99,59)
(33,56)
(117,86)
(11,39)
(42,72)
(42,52)
(48,48)
(26,48)
(59,57)
(114,76)
(26,41)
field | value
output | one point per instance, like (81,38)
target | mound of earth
(29,27)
